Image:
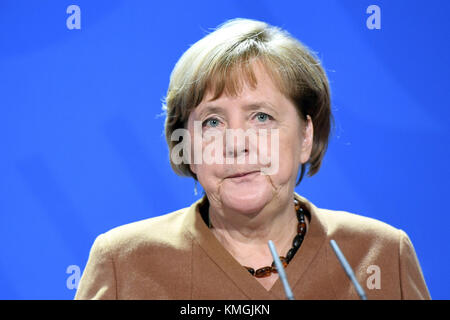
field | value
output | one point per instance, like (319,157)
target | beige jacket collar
(315,239)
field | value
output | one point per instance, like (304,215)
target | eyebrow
(211,108)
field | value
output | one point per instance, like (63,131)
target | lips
(242,174)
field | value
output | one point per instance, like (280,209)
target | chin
(247,201)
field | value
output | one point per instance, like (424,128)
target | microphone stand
(281,272)
(348,270)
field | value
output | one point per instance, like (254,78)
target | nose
(235,139)
(235,143)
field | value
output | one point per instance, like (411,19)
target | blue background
(81,130)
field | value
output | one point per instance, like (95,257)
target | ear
(307,140)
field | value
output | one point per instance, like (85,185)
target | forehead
(255,87)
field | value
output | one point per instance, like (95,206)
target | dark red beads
(290,254)
(283,261)
(251,270)
(263,272)
(296,243)
(301,228)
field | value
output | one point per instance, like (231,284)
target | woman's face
(240,183)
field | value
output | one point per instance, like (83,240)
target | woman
(249,76)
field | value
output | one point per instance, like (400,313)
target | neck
(246,236)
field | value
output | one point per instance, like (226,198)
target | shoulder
(166,230)
(371,245)
(130,260)
(347,225)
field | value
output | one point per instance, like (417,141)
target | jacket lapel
(314,240)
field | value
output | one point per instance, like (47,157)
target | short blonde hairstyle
(222,60)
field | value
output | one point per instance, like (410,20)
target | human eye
(263,117)
(211,122)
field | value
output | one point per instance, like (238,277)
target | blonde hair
(222,60)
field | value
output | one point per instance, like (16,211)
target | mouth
(242,174)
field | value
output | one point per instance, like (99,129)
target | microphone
(281,272)
(348,270)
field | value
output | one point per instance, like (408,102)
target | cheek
(209,171)
(207,177)
(289,157)
(206,153)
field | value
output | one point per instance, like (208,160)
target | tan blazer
(176,256)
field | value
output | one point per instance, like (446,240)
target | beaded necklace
(263,272)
